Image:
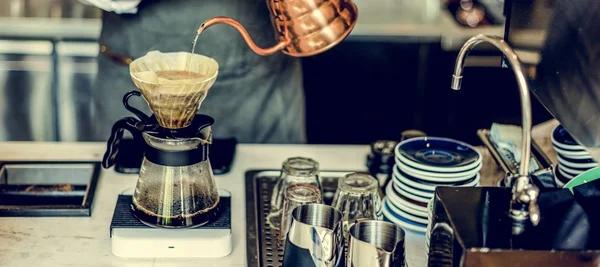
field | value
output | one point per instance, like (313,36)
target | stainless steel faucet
(523,206)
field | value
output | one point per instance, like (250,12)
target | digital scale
(130,238)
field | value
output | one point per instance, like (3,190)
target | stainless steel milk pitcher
(376,244)
(315,237)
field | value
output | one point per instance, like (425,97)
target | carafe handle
(131,124)
(141,115)
(235,24)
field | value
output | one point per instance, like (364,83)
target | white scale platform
(130,238)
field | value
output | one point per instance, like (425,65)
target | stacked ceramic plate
(422,164)
(428,230)
(572,158)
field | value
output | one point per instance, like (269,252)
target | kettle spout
(235,24)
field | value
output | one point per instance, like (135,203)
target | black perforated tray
(262,248)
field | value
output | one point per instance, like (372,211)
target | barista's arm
(117,6)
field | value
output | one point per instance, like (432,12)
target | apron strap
(117,58)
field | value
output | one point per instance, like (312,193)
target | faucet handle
(529,196)
(534,210)
(524,205)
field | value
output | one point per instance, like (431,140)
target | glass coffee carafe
(172,194)
(175,188)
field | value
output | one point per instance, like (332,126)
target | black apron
(257,99)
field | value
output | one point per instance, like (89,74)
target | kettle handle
(141,115)
(235,24)
(112,146)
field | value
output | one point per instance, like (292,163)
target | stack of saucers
(429,221)
(572,158)
(422,164)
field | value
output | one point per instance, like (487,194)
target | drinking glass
(296,170)
(297,195)
(357,197)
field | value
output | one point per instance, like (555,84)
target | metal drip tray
(45,189)
(262,248)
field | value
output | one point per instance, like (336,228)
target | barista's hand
(117,6)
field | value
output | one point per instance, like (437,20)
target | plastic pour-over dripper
(174,84)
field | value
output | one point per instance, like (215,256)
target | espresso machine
(551,46)
(175,209)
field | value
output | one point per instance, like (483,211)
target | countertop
(84,241)
(422,20)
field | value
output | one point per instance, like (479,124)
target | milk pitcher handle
(322,248)
(326,247)
(235,24)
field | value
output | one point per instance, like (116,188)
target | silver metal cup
(376,244)
(314,237)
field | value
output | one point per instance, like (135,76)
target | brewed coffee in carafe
(175,188)
(175,196)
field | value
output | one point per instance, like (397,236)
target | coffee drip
(174,84)
(175,188)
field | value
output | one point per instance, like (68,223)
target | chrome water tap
(523,206)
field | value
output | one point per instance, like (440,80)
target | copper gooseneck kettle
(304,27)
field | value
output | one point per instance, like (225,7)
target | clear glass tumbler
(297,195)
(358,198)
(296,170)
